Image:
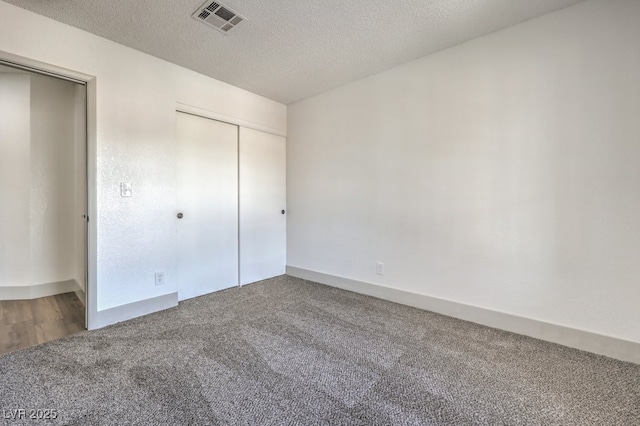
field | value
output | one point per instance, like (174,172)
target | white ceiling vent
(218,16)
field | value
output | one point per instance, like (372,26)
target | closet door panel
(262,202)
(207,195)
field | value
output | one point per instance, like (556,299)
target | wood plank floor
(25,323)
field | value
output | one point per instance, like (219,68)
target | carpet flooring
(287,351)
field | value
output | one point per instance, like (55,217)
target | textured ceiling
(289,50)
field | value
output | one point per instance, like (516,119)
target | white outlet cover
(126,189)
(159,277)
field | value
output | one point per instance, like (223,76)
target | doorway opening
(43,207)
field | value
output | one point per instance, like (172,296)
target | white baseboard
(15,293)
(36,291)
(81,295)
(133,310)
(612,347)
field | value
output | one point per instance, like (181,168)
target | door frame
(212,115)
(89,81)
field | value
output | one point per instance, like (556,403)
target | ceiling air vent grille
(218,16)
(213,6)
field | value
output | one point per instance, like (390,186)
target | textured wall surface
(290,50)
(501,173)
(136,103)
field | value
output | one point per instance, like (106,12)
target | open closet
(43,204)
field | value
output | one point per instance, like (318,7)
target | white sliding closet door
(263,250)
(207,193)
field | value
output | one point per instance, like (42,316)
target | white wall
(135,142)
(502,173)
(15,179)
(53,248)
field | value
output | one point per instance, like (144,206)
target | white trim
(82,296)
(51,289)
(201,112)
(15,292)
(15,65)
(613,347)
(136,309)
(37,66)
(92,207)
(37,291)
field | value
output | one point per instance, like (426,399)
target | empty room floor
(290,351)
(25,323)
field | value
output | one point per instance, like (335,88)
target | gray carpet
(288,351)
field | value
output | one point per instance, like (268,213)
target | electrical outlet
(379,268)
(159,278)
(126,189)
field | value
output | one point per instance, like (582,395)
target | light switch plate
(126,189)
